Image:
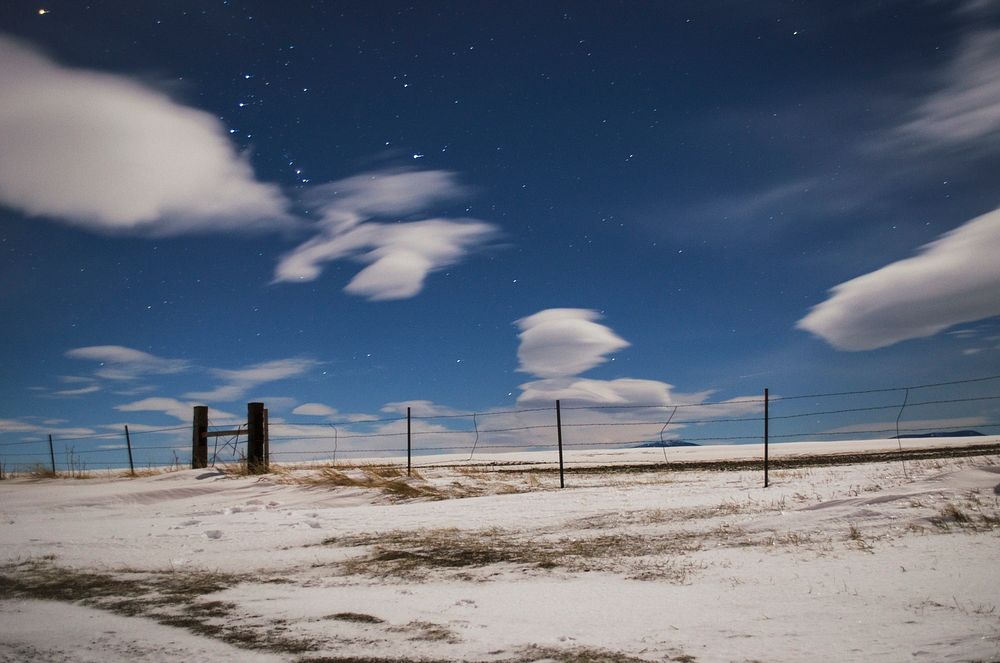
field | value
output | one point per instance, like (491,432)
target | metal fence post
(408,442)
(562,478)
(128,443)
(766,433)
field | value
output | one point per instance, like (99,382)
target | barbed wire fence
(573,436)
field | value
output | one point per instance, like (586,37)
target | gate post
(199,438)
(256,461)
(267,443)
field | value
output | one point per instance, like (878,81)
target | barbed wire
(482,440)
(886,389)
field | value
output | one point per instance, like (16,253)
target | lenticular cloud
(108,153)
(954,279)
(561,342)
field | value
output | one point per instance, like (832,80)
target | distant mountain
(666,443)
(958,433)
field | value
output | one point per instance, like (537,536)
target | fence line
(525,431)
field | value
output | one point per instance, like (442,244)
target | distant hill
(666,443)
(958,433)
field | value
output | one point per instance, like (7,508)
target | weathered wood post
(199,438)
(256,463)
(267,443)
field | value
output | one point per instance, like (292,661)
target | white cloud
(49,426)
(560,342)
(121,363)
(77,392)
(420,408)
(274,403)
(400,255)
(966,107)
(315,410)
(74,379)
(624,391)
(952,280)
(239,382)
(349,201)
(173,408)
(108,153)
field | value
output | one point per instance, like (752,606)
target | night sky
(340,206)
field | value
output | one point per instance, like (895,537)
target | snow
(865,562)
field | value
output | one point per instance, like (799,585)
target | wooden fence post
(267,443)
(409,446)
(255,438)
(52,455)
(199,438)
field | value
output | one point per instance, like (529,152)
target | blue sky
(490,205)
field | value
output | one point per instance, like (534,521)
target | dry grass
(973,516)
(172,598)
(41,472)
(855,535)
(414,555)
(390,480)
(387,479)
(586,655)
(356,617)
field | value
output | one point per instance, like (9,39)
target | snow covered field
(864,562)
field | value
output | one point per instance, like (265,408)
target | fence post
(255,438)
(199,438)
(267,443)
(52,454)
(562,477)
(128,443)
(408,446)
(766,433)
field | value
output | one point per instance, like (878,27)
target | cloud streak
(952,280)
(118,362)
(623,391)
(110,154)
(236,383)
(966,107)
(399,256)
(172,408)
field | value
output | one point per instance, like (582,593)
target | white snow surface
(889,561)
